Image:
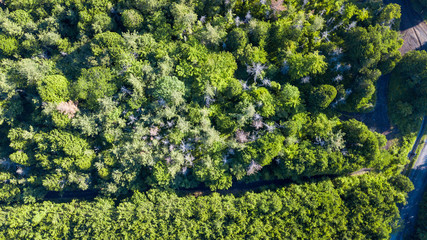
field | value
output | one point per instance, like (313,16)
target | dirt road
(412,27)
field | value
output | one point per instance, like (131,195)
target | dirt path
(361,171)
(378,120)
(412,27)
(237,188)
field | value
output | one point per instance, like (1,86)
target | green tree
(376,46)
(304,65)
(289,100)
(170,89)
(184,18)
(108,45)
(54,88)
(21,17)
(269,146)
(390,16)
(268,104)
(9,192)
(361,141)
(408,89)
(19,157)
(72,152)
(322,96)
(236,39)
(102,23)
(8,46)
(132,19)
(93,84)
(258,32)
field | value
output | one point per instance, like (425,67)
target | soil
(412,27)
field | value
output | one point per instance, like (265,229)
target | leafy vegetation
(179,96)
(408,91)
(125,96)
(344,208)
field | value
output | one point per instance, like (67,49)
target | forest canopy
(409,103)
(124,95)
(324,210)
(143,98)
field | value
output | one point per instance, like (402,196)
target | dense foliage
(123,96)
(346,208)
(127,95)
(408,91)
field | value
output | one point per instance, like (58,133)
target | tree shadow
(71,64)
(423,47)
(410,18)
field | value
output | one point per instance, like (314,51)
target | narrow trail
(237,188)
